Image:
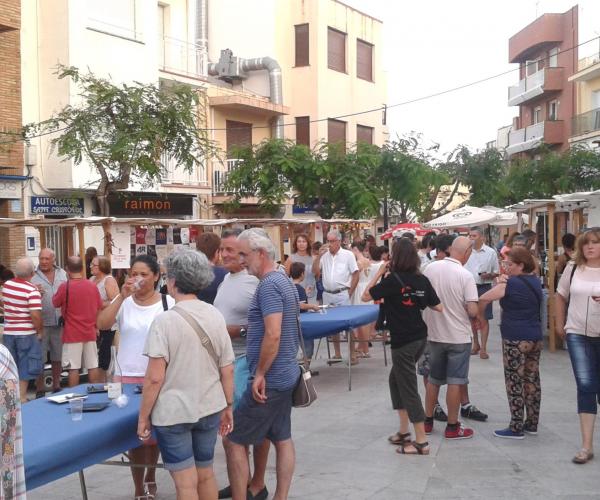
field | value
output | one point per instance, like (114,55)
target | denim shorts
(253,421)
(187,445)
(585,358)
(449,363)
(26,350)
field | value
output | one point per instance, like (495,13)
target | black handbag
(304,393)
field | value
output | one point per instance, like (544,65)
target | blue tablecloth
(336,319)
(54,446)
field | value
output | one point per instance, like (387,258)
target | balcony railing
(173,173)
(525,139)
(585,122)
(220,172)
(535,85)
(182,57)
(586,62)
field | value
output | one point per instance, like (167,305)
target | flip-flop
(484,355)
(475,351)
(399,438)
(583,456)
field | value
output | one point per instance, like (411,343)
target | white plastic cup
(76,407)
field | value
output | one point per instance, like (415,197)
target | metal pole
(551,277)
(82,484)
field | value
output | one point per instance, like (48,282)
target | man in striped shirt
(23,325)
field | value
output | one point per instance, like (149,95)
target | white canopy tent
(463,217)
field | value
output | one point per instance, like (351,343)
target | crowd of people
(179,329)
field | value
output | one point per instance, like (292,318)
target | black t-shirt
(403,305)
(302,297)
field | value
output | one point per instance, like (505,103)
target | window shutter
(336,132)
(364,60)
(238,134)
(302,47)
(336,50)
(364,134)
(303,130)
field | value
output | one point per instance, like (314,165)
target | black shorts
(256,421)
(104,343)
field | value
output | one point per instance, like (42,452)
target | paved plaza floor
(343,453)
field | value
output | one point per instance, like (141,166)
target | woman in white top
(363,333)
(578,318)
(109,289)
(134,309)
(188,388)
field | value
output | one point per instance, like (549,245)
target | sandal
(148,486)
(583,456)
(420,448)
(399,438)
(145,496)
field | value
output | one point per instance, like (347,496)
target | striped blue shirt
(275,294)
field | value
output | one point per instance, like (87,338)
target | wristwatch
(243,331)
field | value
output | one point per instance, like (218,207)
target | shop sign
(10,190)
(133,204)
(49,205)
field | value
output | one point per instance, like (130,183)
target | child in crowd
(297,274)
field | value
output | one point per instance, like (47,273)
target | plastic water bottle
(114,376)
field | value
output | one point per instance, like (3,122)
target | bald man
(47,278)
(449,334)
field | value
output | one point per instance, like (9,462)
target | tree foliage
(125,131)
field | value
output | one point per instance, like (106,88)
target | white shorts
(78,355)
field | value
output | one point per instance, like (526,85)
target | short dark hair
(443,242)
(408,235)
(6,274)
(151,262)
(405,258)
(228,233)
(360,244)
(297,269)
(208,244)
(376,252)
(568,241)
(74,264)
(316,245)
(428,240)
(520,255)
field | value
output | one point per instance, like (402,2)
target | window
(364,60)
(301,45)
(336,133)
(303,130)
(364,134)
(114,17)
(553,58)
(537,114)
(336,50)
(238,134)
(553,110)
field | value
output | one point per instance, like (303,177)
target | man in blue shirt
(264,411)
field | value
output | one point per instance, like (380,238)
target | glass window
(116,17)
(553,58)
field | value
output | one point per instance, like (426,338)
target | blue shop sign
(49,205)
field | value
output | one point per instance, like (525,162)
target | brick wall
(12,241)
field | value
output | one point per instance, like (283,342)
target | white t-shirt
(455,286)
(192,386)
(134,322)
(337,270)
(484,260)
(583,316)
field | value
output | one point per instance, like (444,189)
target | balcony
(545,80)
(219,175)
(546,30)
(526,139)
(585,123)
(181,57)
(588,68)
(176,175)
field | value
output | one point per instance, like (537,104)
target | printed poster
(121,250)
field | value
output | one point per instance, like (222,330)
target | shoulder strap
(572,274)
(537,297)
(164,302)
(399,279)
(301,337)
(202,335)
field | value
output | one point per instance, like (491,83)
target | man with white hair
(48,277)
(23,325)
(264,411)
(338,270)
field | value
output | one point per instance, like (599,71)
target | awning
(463,217)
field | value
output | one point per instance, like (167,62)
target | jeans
(585,359)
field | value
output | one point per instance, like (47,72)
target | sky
(434,45)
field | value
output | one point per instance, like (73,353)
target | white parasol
(463,217)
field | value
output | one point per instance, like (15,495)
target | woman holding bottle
(133,310)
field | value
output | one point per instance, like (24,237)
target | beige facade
(585,127)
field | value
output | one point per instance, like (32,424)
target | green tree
(124,130)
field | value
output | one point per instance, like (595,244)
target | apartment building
(585,125)
(546,52)
(264,68)
(12,178)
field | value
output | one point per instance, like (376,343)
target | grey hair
(477,229)
(24,268)
(190,269)
(228,233)
(335,233)
(49,250)
(258,239)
